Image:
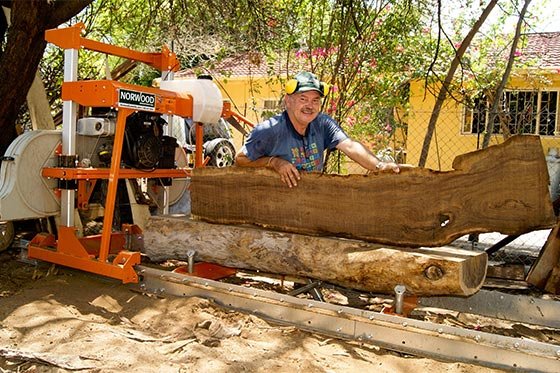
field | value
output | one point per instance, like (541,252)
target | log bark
(349,263)
(503,188)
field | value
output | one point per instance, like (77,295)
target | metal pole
(69,116)
(190,256)
(167,131)
(399,298)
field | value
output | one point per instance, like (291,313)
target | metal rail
(520,308)
(389,331)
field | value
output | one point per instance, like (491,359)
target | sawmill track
(492,328)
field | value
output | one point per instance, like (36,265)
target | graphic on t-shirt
(307,158)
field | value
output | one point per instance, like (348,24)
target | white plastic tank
(553,164)
(207,98)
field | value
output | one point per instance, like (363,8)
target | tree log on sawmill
(349,263)
(503,188)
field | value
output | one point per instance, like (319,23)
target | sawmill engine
(144,146)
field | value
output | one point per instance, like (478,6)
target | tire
(222,155)
(7,234)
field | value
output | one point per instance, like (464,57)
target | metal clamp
(190,256)
(399,298)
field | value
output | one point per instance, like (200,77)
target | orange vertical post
(113,182)
(199,139)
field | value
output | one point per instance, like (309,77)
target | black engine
(145,146)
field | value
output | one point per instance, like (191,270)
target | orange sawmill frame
(70,250)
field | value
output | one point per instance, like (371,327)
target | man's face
(303,107)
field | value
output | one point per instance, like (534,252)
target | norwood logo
(137,100)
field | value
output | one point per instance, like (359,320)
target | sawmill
(116,165)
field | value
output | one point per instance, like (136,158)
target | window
(529,112)
(271,104)
(549,113)
(476,115)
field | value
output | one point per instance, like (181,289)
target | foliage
(196,31)
(484,62)
(367,50)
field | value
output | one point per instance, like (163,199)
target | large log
(503,188)
(349,263)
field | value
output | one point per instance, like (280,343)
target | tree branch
(505,77)
(447,82)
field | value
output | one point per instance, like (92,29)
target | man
(296,139)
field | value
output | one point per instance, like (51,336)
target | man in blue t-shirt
(296,139)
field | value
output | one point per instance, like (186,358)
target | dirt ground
(57,320)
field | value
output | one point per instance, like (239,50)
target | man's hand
(287,171)
(388,166)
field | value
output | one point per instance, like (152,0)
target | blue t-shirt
(277,137)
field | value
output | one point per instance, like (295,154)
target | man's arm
(243,161)
(361,155)
(287,171)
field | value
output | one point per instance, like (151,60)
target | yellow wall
(448,140)
(247,96)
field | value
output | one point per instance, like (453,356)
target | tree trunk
(24,49)
(497,101)
(447,82)
(37,102)
(352,264)
(503,188)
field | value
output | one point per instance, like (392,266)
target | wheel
(7,234)
(222,155)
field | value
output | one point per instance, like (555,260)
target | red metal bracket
(210,271)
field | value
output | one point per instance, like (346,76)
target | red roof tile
(242,65)
(544,46)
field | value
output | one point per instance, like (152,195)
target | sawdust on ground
(61,320)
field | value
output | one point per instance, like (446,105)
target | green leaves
(367,50)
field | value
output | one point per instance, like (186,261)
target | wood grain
(349,263)
(503,188)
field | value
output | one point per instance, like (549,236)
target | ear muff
(325,88)
(291,86)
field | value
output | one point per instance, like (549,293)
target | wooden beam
(545,272)
(503,188)
(349,263)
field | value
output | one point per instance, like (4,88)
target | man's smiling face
(303,107)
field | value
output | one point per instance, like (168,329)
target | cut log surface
(349,263)
(503,188)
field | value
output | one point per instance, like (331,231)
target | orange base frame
(70,251)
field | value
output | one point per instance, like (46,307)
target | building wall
(247,95)
(448,140)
